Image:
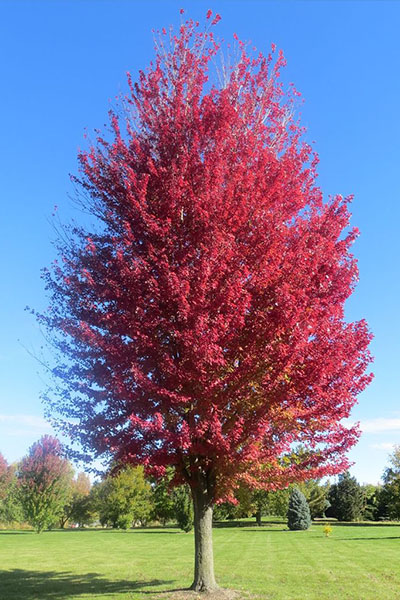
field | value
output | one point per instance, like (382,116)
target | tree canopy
(200,324)
(44,478)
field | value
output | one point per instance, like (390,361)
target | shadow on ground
(377,524)
(361,539)
(265,524)
(135,530)
(19,584)
(17,532)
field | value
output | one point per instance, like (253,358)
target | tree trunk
(258,517)
(204,580)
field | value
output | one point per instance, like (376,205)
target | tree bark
(204,579)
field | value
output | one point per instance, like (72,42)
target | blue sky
(64,61)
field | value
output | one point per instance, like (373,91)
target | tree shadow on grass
(264,530)
(121,531)
(17,532)
(76,531)
(380,539)
(238,524)
(18,584)
(377,524)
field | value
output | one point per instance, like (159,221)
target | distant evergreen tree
(299,512)
(346,498)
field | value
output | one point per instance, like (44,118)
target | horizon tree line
(43,490)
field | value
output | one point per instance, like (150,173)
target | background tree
(370,511)
(256,502)
(11,511)
(76,508)
(5,480)
(298,514)
(44,479)
(10,506)
(4,476)
(223,511)
(260,498)
(201,325)
(262,502)
(346,499)
(162,500)
(278,502)
(389,495)
(316,496)
(85,511)
(124,498)
(183,507)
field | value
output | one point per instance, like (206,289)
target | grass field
(356,562)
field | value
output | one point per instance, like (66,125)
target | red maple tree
(202,320)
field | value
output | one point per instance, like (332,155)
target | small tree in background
(262,502)
(346,498)
(183,508)
(10,506)
(162,500)
(10,503)
(389,494)
(5,477)
(370,511)
(75,510)
(298,512)
(316,496)
(85,511)
(125,498)
(5,482)
(278,502)
(260,498)
(44,481)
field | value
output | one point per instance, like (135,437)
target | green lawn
(356,562)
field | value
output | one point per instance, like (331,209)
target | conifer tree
(299,512)
(346,499)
